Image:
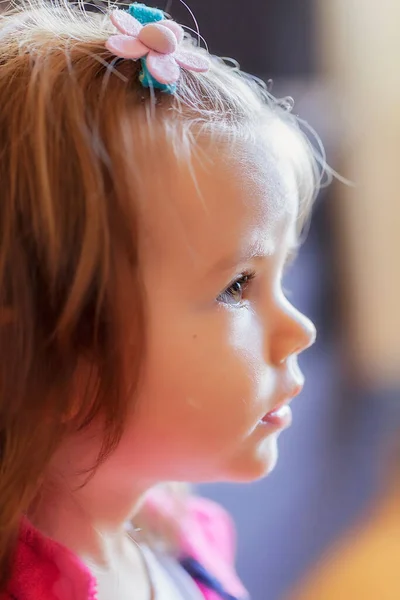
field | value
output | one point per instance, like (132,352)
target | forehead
(230,197)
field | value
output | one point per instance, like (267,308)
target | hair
(69,229)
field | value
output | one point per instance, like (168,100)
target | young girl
(151,197)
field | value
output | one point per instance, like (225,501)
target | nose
(293,333)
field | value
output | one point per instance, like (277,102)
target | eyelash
(244,281)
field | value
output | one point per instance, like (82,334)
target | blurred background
(326,523)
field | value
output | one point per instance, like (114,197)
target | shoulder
(209,526)
(207,535)
(44,569)
(210,538)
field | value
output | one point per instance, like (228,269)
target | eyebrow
(228,263)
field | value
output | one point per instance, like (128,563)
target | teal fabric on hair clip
(145,15)
(148,81)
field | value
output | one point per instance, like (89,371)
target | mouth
(281,415)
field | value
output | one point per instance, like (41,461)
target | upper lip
(291,390)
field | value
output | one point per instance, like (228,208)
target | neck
(87,515)
(90,523)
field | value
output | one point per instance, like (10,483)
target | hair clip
(157,42)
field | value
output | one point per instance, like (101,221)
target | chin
(256,464)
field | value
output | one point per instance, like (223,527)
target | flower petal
(157,38)
(126,46)
(176,29)
(125,23)
(192,61)
(163,67)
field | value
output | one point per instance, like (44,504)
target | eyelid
(249,275)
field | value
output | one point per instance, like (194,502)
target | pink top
(46,570)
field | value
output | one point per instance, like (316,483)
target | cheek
(208,377)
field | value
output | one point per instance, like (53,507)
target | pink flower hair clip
(159,45)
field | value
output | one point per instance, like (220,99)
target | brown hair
(68,228)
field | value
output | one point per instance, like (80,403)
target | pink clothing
(45,570)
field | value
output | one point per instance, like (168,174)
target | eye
(233,294)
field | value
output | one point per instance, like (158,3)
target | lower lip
(280,418)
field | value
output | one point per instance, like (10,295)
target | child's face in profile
(222,353)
